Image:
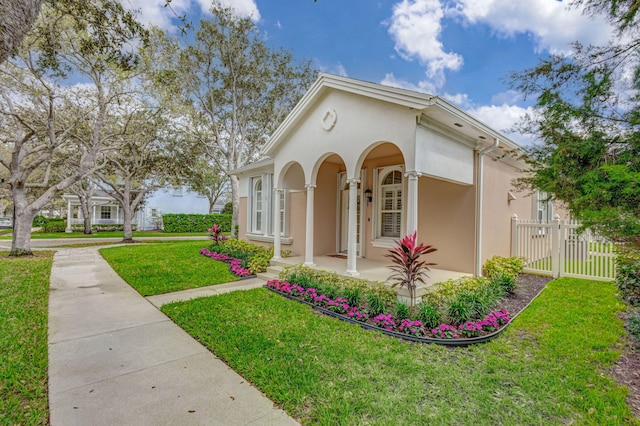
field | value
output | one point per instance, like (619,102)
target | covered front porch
(372,270)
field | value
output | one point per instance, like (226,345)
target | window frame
(257,198)
(104,212)
(380,174)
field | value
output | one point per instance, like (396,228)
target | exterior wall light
(369,194)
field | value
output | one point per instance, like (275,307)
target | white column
(118,214)
(352,243)
(412,201)
(93,214)
(277,245)
(69,215)
(308,248)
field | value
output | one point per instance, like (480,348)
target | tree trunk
(212,202)
(86,213)
(23,221)
(16,19)
(127,216)
(235,200)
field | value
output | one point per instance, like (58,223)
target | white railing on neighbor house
(557,249)
(76,221)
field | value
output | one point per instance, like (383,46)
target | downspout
(479,183)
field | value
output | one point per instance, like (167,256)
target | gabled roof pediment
(428,107)
(327,82)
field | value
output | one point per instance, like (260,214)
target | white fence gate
(557,249)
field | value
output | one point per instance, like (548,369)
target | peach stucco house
(356,165)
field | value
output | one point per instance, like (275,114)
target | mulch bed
(627,372)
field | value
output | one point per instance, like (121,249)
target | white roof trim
(263,163)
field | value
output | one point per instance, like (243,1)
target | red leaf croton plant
(408,269)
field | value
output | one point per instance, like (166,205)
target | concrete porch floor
(375,270)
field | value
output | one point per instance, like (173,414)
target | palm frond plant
(408,269)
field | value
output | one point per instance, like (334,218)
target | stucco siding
(497,210)
(326,226)
(297,218)
(446,220)
(242,219)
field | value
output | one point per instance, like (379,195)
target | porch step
(279,263)
(271,273)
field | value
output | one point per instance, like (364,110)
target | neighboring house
(105,210)
(355,166)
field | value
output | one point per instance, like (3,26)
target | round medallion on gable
(329,119)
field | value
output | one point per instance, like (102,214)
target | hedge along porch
(356,165)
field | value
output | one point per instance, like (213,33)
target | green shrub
(55,226)
(387,295)
(507,266)
(195,222)
(353,295)
(429,315)
(402,311)
(628,276)
(451,288)
(40,220)
(258,263)
(376,305)
(461,309)
(329,290)
(504,280)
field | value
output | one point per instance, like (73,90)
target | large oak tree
(233,89)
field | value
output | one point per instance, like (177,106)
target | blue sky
(461,50)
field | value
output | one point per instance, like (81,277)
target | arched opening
(383,169)
(330,228)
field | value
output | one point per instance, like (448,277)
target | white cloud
(155,13)
(244,8)
(415,27)
(551,23)
(423,86)
(337,68)
(502,118)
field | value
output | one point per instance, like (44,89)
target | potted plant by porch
(408,269)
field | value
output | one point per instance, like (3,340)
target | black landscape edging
(465,341)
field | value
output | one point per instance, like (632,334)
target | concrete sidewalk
(114,359)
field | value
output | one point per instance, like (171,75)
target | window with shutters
(389,202)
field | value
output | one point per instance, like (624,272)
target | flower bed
(235,265)
(406,328)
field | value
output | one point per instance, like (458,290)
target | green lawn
(162,268)
(549,367)
(24,291)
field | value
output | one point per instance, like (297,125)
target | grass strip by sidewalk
(24,292)
(549,367)
(162,268)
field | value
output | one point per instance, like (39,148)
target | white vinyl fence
(557,249)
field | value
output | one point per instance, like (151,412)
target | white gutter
(479,183)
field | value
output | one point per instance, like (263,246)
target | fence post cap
(515,216)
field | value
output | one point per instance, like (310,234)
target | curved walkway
(114,359)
